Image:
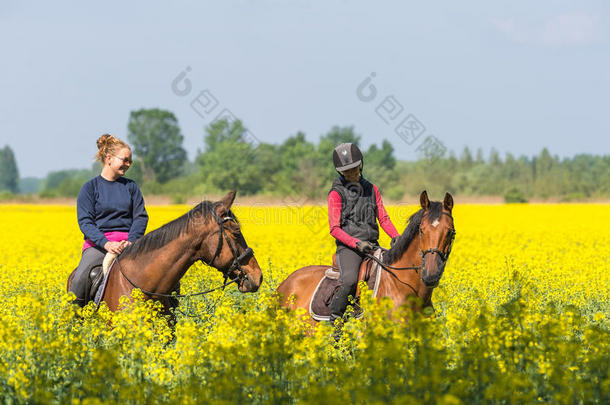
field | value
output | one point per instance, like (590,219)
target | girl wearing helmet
(354,206)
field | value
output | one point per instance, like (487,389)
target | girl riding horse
(410,270)
(354,206)
(110,211)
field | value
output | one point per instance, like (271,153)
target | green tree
(480,159)
(267,165)
(9,174)
(229,160)
(29,185)
(135,172)
(157,143)
(466,160)
(494,158)
(379,165)
(299,173)
(603,168)
(381,157)
(547,174)
(66,183)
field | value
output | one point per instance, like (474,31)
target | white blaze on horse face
(435,223)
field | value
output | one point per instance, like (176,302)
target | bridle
(444,255)
(235,265)
(237,259)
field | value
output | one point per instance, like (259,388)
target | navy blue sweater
(105,206)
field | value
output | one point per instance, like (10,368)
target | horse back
(297,289)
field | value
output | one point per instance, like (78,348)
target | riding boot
(337,329)
(80,290)
(81,282)
(339,302)
(337,308)
(336,324)
(79,301)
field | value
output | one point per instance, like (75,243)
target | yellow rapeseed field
(522,316)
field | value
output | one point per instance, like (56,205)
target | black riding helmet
(347,156)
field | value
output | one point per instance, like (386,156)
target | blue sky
(514,75)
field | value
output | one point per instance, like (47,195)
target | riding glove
(365,246)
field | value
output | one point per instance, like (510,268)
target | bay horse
(412,268)
(157,261)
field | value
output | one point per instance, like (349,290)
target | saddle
(319,307)
(98,276)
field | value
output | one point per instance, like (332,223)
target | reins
(173,295)
(388,267)
(235,265)
(443,255)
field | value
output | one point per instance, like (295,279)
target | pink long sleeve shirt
(334,219)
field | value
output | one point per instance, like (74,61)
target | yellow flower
(521,309)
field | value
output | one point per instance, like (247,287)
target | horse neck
(411,256)
(409,281)
(160,270)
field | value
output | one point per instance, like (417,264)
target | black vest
(358,209)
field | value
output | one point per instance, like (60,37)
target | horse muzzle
(248,283)
(432,271)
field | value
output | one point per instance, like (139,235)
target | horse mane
(413,223)
(168,232)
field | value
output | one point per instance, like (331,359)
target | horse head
(225,247)
(436,233)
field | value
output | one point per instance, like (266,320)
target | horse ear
(423,200)
(448,202)
(227,201)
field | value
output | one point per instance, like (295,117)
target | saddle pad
(319,306)
(102,288)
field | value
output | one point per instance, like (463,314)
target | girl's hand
(365,246)
(114,247)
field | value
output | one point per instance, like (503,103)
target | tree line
(232,158)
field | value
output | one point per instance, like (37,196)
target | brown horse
(412,267)
(155,263)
